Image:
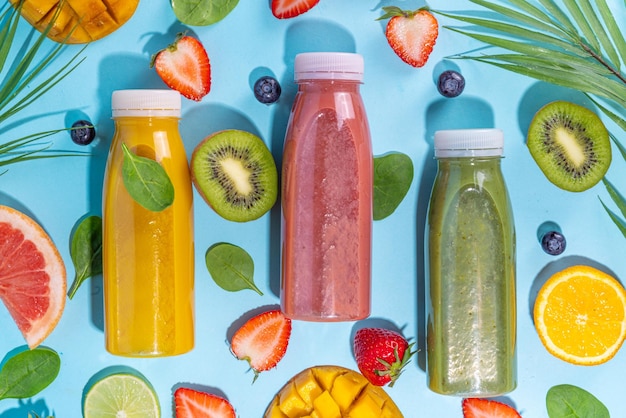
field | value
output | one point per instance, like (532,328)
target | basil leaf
(86,251)
(231,267)
(28,373)
(146,181)
(202,12)
(393,175)
(571,401)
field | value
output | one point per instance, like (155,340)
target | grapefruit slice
(32,276)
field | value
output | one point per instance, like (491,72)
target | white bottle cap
(328,66)
(146,103)
(469,143)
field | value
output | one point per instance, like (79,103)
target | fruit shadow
(313,35)
(462,112)
(27,408)
(555,266)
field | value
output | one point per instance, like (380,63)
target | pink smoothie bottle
(327,193)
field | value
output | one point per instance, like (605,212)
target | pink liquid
(327,205)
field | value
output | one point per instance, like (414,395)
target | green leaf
(147,181)
(86,251)
(231,267)
(393,175)
(202,12)
(568,401)
(28,373)
(619,222)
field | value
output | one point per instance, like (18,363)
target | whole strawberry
(185,67)
(381,354)
(411,34)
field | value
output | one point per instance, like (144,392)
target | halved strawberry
(195,404)
(262,341)
(285,9)
(184,66)
(411,34)
(485,408)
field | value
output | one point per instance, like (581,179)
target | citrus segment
(580,315)
(32,276)
(121,395)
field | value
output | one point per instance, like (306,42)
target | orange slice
(580,315)
(32,276)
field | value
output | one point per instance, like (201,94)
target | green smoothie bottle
(471,323)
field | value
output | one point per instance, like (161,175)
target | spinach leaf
(86,251)
(571,401)
(231,267)
(28,373)
(146,181)
(393,175)
(202,12)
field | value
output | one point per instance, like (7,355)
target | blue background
(404,110)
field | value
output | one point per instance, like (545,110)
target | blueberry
(553,242)
(267,89)
(83,132)
(451,83)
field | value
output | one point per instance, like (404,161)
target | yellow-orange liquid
(148,256)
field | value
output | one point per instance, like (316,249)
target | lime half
(121,395)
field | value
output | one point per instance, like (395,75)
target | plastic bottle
(471,318)
(148,257)
(327,193)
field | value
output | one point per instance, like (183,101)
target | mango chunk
(346,389)
(326,407)
(308,388)
(290,402)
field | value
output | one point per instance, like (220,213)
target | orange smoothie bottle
(148,256)
(327,193)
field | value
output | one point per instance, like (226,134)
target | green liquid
(471,318)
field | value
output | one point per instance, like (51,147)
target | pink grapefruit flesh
(33,280)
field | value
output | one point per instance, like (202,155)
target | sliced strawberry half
(262,341)
(195,404)
(411,34)
(486,408)
(184,66)
(285,9)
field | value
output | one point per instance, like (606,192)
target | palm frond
(570,43)
(21,85)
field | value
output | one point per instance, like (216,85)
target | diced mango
(78,21)
(326,407)
(331,392)
(365,407)
(273,411)
(326,375)
(290,402)
(346,389)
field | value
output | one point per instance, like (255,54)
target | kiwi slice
(236,174)
(570,144)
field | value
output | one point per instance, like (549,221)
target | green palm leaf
(571,43)
(20,86)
